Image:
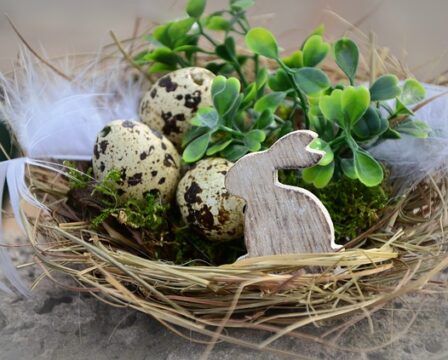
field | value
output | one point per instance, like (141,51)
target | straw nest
(278,294)
(400,254)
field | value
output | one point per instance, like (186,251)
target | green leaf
(217,23)
(234,151)
(367,169)
(385,88)
(196,149)
(262,42)
(225,94)
(163,55)
(262,78)
(314,50)
(348,168)
(256,135)
(319,30)
(253,139)
(195,8)
(250,93)
(370,125)
(414,128)
(269,101)
(355,101)
(319,144)
(324,127)
(160,35)
(279,81)
(178,29)
(159,67)
(413,92)
(318,175)
(295,60)
(172,34)
(241,5)
(391,134)
(402,109)
(264,120)
(219,146)
(223,53)
(218,86)
(312,81)
(346,53)
(193,133)
(220,68)
(331,106)
(206,117)
(140,58)
(188,48)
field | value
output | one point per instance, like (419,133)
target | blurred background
(416,31)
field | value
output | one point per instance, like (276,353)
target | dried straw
(273,293)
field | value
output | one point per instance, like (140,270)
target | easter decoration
(281,219)
(212,185)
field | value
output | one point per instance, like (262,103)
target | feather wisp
(411,159)
(55,118)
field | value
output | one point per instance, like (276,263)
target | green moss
(76,178)
(353,207)
(148,213)
(189,245)
(159,226)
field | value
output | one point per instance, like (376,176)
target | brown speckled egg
(147,161)
(174,99)
(205,203)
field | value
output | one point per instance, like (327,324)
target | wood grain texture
(281,219)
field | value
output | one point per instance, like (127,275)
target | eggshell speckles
(205,203)
(147,161)
(174,99)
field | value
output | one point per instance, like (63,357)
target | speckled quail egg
(147,161)
(205,203)
(174,99)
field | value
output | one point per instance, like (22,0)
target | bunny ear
(292,151)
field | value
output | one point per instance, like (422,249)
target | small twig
(427,101)
(134,33)
(372,58)
(5,153)
(126,55)
(35,53)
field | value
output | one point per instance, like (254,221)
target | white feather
(47,112)
(54,118)
(411,159)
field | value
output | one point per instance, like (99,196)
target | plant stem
(279,119)
(230,131)
(257,65)
(337,140)
(302,99)
(204,34)
(182,62)
(234,61)
(237,68)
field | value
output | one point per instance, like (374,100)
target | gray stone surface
(57,324)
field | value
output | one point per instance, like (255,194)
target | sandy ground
(56,324)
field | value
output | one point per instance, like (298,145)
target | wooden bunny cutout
(281,219)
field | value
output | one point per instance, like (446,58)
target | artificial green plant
(249,115)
